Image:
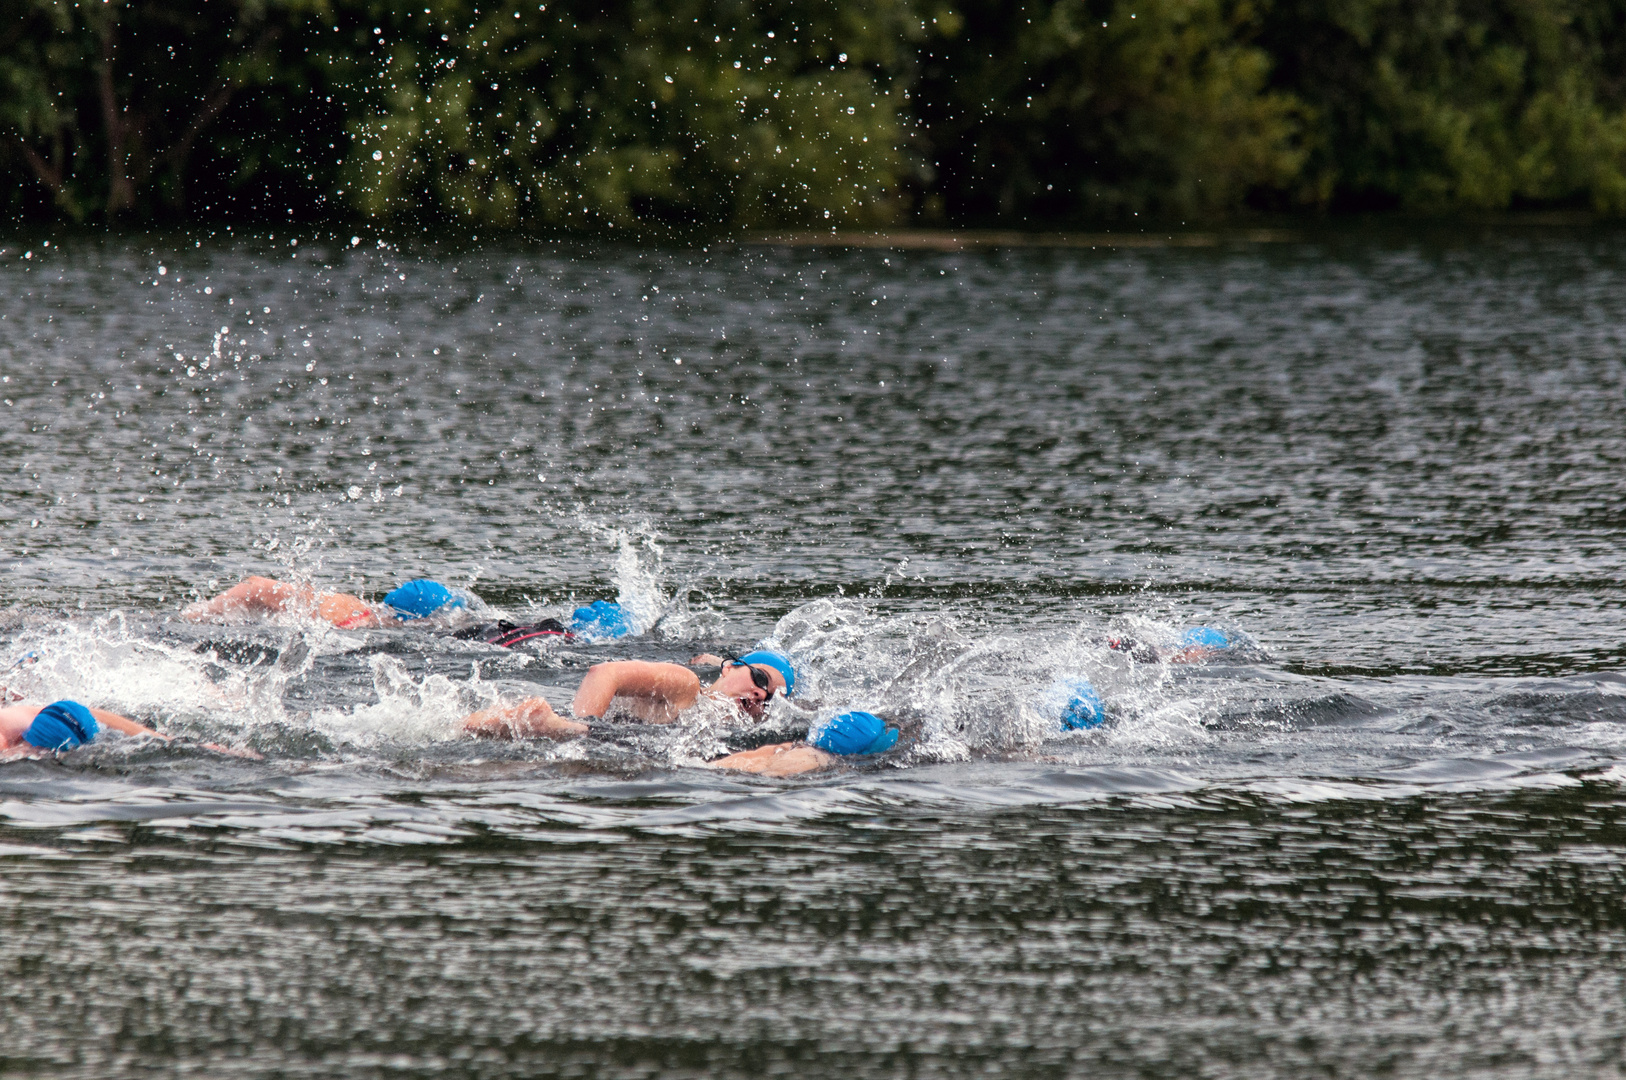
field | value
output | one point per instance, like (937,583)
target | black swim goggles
(759,678)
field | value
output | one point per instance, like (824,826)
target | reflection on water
(1381,833)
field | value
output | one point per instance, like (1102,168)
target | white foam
(408,710)
(106,664)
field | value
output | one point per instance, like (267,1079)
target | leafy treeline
(519,113)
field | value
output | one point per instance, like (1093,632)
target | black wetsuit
(507,634)
(1138,651)
(761,735)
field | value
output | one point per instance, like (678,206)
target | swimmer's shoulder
(15,720)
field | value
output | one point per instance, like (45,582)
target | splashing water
(185,687)
(637,571)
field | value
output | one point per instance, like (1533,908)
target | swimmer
(852,734)
(28,727)
(268,596)
(655,693)
(1196,645)
(409,602)
(1071,701)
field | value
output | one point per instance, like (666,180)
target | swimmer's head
(854,733)
(61,725)
(1203,637)
(752,679)
(1081,706)
(776,660)
(421,598)
(602,620)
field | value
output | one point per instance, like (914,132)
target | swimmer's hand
(777,759)
(706,659)
(216,748)
(533,716)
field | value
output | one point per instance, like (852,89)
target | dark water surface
(1386,835)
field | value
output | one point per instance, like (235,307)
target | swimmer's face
(737,682)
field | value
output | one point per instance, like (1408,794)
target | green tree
(1079,108)
(1457,104)
(526,113)
(105,102)
(577,114)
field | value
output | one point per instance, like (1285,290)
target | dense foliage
(517,113)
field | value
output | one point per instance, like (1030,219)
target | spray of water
(179,687)
(408,711)
(639,574)
(964,689)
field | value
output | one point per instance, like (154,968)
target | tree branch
(49,176)
(120,192)
(216,104)
(176,154)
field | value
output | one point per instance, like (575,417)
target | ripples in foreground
(636,929)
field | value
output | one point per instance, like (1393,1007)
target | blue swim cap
(1203,637)
(856,733)
(61,725)
(776,660)
(1083,708)
(421,598)
(604,620)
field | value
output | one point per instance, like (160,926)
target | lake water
(1386,833)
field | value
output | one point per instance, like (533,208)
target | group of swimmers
(650,692)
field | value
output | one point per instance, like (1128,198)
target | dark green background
(702,114)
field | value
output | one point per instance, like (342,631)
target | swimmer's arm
(260,595)
(125,725)
(533,716)
(15,747)
(778,759)
(1196,654)
(670,684)
(267,596)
